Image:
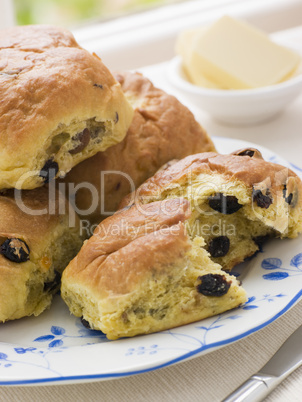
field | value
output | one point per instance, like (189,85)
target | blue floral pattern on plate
(56,347)
(279,271)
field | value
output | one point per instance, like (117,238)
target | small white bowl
(238,107)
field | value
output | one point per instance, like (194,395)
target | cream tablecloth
(213,376)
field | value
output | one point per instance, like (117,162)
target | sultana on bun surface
(162,129)
(59,105)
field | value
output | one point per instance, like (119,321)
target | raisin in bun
(237,200)
(37,241)
(59,105)
(141,272)
(162,129)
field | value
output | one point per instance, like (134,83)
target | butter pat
(184,47)
(231,54)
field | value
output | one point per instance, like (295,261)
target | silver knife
(287,359)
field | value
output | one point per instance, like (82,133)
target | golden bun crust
(139,273)
(162,129)
(29,221)
(120,229)
(51,90)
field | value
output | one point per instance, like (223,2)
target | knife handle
(254,389)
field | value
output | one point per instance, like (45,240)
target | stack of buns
(136,166)
(59,105)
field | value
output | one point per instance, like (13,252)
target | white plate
(56,348)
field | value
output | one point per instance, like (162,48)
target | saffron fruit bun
(58,105)
(237,201)
(142,272)
(38,238)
